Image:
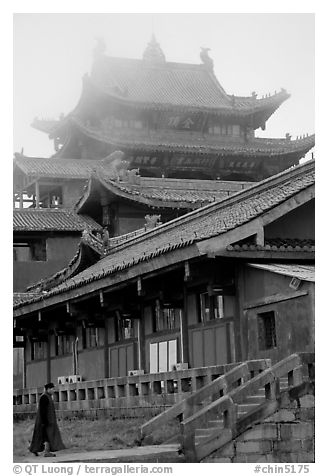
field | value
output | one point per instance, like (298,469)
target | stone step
(199,439)
(255,399)
(246,407)
(215,423)
(203,432)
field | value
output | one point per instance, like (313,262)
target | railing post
(230,416)
(272,389)
(188,446)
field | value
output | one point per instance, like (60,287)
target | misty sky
(251,52)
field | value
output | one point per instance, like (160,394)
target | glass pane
(153,358)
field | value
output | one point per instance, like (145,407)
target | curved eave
(138,197)
(239,106)
(88,191)
(75,266)
(117,190)
(301,146)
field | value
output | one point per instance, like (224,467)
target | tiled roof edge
(236,197)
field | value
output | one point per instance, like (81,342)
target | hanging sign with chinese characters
(185,122)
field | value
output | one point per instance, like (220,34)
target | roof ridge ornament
(208,62)
(153,52)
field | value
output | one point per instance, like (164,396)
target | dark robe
(46,428)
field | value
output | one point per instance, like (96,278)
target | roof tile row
(51,219)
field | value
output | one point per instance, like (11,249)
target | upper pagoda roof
(154,83)
(161,83)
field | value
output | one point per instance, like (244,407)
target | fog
(259,52)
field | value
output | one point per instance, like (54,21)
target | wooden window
(215,129)
(211,307)
(266,324)
(38,350)
(63,344)
(204,307)
(236,130)
(167,318)
(92,337)
(124,328)
(162,356)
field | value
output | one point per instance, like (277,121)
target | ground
(89,435)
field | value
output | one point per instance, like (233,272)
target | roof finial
(208,62)
(153,51)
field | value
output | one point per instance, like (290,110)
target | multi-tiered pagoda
(173,120)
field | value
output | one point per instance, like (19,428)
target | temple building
(227,282)
(172,120)
(188,241)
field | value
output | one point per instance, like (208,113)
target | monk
(46,433)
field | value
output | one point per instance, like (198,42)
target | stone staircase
(235,402)
(251,402)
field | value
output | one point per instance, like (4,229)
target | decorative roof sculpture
(153,52)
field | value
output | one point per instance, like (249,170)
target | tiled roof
(195,143)
(172,84)
(51,219)
(161,83)
(56,168)
(19,298)
(167,192)
(275,244)
(302,272)
(212,220)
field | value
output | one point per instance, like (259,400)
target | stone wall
(285,437)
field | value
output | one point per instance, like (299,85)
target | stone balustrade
(159,389)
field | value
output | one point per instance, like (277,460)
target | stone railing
(161,389)
(212,390)
(298,369)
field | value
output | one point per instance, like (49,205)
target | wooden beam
(259,237)
(266,254)
(37,194)
(273,299)
(185,357)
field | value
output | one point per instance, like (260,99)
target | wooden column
(37,194)
(240,327)
(184,328)
(106,349)
(141,338)
(48,358)
(24,363)
(21,201)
